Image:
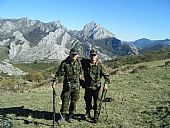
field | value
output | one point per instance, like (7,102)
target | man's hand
(82,83)
(105,87)
(53,84)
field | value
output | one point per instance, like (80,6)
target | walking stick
(101,100)
(53,104)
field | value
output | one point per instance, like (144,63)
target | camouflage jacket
(70,70)
(93,73)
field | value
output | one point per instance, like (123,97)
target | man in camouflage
(71,69)
(93,72)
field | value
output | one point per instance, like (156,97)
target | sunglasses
(73,54)
(93,54)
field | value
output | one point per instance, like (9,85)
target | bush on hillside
(35,76)
(134,59)
(8,83)
(49,72)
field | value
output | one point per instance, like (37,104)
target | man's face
(73,56)
(93,57)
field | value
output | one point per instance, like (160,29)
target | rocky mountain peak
(96,31)
(90,25)
(56,23)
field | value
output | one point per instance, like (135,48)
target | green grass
(38,73)
(136,93)
(4,53)
(35,66)
(140,100)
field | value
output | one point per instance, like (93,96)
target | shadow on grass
(159,116)
(23,112)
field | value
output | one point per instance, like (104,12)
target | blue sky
(127,19)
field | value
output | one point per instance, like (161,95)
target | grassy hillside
(38,75)
(141,99)
(3,53)
(35,66)
(134,59)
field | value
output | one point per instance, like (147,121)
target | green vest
(70,70)
(92,73)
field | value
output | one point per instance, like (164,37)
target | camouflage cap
(73,51)
(93,52)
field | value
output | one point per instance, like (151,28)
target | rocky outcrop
(9,69)
(42,52)
(18,45)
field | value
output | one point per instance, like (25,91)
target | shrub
(35,76)
(8,83)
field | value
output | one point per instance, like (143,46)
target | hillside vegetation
(134,59)
(4,53)
(141,99)
(38,75)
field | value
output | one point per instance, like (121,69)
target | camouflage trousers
(69,96)
(96,95)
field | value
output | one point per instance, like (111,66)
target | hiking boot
(62,119)
(71,119)
(87,115)
(96,117)
(95,121)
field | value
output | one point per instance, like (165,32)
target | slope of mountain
(141,43)
(53,46)
(145,43)
(113,46)
(156,47)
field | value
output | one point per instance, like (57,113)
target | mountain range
(25,40)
